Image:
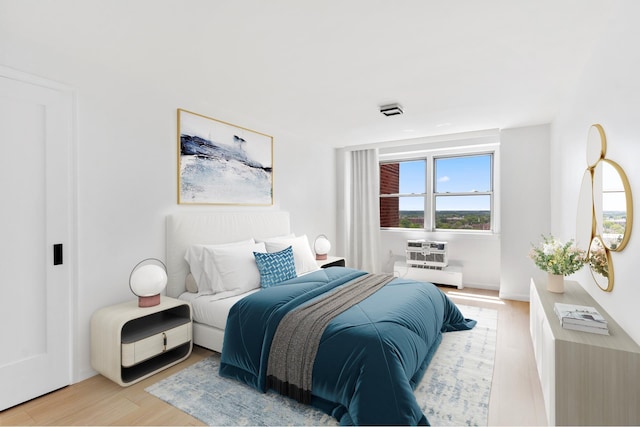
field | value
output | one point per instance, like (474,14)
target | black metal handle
(57,254)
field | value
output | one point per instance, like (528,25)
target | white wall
(478,254)
(525,208)
(496,261)
(608,93)
(127,166)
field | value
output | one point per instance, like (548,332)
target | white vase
(555,283)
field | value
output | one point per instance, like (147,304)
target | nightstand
(130,343)
(332,261)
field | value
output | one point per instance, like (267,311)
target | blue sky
(453,174)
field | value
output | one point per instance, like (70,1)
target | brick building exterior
(389,184)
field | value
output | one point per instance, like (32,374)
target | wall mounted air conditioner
(427,254)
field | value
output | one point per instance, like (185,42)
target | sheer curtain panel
(363,219)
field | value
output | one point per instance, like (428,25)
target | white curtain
(362,213)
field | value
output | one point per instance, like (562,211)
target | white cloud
(444,179)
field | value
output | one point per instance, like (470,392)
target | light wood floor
(516,397)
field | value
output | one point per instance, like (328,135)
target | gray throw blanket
(295,343)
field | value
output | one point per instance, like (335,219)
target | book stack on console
(581,318)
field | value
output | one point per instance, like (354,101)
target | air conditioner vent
(427,254)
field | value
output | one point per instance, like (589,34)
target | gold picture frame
(222,164)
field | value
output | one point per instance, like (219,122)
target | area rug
(455,389)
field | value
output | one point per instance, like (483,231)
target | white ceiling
(319,69)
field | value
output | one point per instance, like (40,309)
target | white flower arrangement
(556,257)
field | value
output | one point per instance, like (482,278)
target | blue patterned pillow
(275,267)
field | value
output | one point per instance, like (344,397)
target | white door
(35,189)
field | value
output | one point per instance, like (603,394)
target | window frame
(423,196)
(430,157)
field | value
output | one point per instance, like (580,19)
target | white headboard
(187,229)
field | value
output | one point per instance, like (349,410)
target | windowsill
(418,233)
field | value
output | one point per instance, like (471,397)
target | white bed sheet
(212,311)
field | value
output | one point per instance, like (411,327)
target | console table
(586,378)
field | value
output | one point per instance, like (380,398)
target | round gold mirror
(609,205)
(596,145)
(612,202)
(585,224)
(600,264)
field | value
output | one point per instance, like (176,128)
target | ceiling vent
(391,109)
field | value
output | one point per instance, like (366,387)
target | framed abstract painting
(220,163)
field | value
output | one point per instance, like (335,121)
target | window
(402,188)
(453,192)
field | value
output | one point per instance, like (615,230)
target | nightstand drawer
(138,351)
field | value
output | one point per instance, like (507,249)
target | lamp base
(149,301)
(321,256)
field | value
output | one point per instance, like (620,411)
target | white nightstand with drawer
(130,343)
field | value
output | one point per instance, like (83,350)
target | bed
(186,229)
(364,359)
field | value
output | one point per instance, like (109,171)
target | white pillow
(302,254)
(268,239)
(237,266)
(190,284)
(203,268)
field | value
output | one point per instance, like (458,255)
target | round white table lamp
(321,247)
(148,278)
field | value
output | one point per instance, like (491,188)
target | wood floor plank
(16,418)
(152,412)
(516,397)
(105,412)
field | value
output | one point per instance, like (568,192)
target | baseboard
(514,296)
(487,286)
(82,375)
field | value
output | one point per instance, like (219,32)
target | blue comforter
(370,357)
